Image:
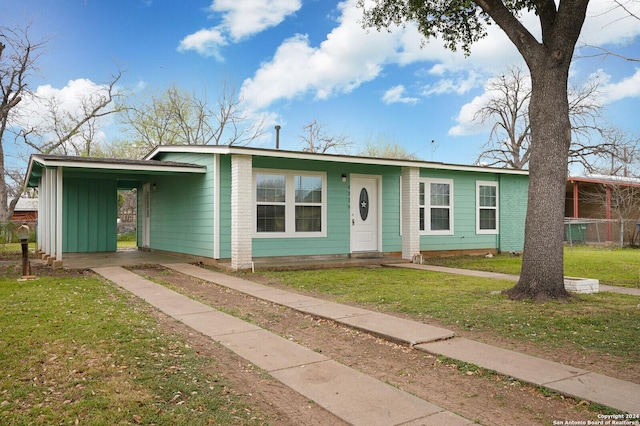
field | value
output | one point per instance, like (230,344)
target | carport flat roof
(37,162)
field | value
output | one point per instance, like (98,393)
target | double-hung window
(486,207)
(436,206)
(289,204)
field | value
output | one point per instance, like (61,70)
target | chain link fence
(602,232)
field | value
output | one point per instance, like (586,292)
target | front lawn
(607,323)
(75,350)
(619,267)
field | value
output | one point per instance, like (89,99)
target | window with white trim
(486,207)
(289,204)
(436,206)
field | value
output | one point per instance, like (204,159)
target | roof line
(340,158)
(123,164)
(614,181)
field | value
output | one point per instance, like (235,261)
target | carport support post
(241,208)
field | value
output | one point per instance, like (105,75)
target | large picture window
(436,206)
(487,207)
(289,204)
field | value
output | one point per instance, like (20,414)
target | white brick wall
(410,212)
(241,211)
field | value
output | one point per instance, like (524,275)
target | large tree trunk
(542,275)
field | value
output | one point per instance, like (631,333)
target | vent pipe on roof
(278,136)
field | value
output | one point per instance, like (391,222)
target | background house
(238,203)
(602,208)
(26,210)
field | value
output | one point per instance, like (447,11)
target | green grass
(619,267)
(127,244)
(606,322)
(76,350)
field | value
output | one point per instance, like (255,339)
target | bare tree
(510,139)
(459,24)
(620,155)
(602,52)
(57,129)
(176,117)
(18,57)
(319,141)
(66,132)
(617,199)
(384,148)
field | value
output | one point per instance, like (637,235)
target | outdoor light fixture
(344,178)
(154,186)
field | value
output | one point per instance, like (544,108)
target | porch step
(367,255)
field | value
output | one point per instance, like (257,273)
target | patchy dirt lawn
(483,397)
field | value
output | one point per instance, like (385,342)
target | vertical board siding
(182,208)
(89,215)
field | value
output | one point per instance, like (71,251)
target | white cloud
(348,57)
(248,17)
(240,19)
(628,87)
(396,95)
(205,42)
(465,119)
(35,111)
(351,56)
(609,24)
(463,83)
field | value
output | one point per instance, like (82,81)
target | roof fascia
(602,181)
(298,155)
(62,162)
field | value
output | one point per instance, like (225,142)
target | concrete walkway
(350,395)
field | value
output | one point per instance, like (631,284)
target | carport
(78,202)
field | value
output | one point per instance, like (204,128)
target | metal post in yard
(23,235)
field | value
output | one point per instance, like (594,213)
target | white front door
(365,227)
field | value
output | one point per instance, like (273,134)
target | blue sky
(296,61)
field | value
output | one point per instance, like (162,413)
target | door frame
(353,210)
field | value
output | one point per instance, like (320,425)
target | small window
(487,207)
(436,206)
(308,203)
(270,200)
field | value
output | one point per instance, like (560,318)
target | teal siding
(513,211)
(225,206)
(337,240)
(89,215)
(391,237)
(182,209)
(464,211)
(337,226)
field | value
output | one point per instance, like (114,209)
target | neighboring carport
(77,199)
